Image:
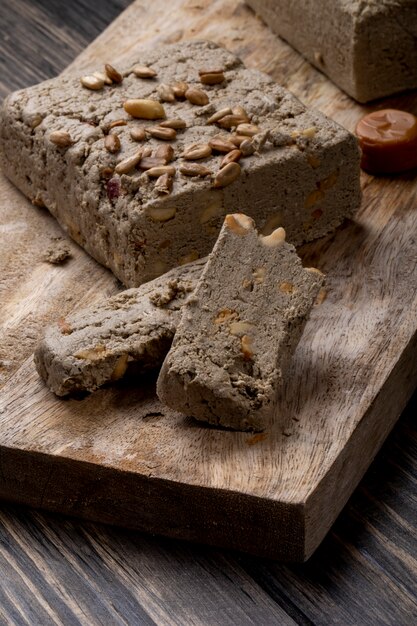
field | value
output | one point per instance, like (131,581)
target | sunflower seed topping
(165,152)
(211,77)
(61,138)
(112,143)
(141,71)
(231,121)
(220,144)
(92,82)
(164,184)
(148,162)
(165,93)
(230,157)
(159,132)
(194,169)
(247,129)
(176,122)
(113,74)
(144,109)
(196,96)
(160,170)
(102,76)
(196,151)
(138,133)
(247,148)
(125,166)
(179,88)
(227,175)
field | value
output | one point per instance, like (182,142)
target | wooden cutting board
(118,456)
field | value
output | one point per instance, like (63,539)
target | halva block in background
(140,166)
(239,329)
(367,47)
(95,346)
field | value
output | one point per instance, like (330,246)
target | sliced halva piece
(143,207)
(239,329)
(367,47)
(95,346)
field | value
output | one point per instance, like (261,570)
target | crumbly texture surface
(305,176)
(238,332)
(95,346)
(58,252)
(367,47)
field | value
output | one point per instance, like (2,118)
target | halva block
(140,165)
(239,329)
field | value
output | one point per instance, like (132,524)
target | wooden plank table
(127,578)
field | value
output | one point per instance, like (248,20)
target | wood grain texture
(371,249)
(311,252)
(40,38)
(364,572)
(373,541)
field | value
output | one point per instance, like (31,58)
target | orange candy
(388,139)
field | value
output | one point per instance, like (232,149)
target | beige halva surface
(118,455)
(83,351)
(367,47)
(239,329)
(306,177)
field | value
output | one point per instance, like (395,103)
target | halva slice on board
(239,329)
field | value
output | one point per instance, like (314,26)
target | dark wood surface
(59,571)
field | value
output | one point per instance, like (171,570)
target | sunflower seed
(129,163)
(194,169)
(138,134)
(230,121)
(102,76)
(227,175)
(35,120)
(196,151)
(218,115)
(165,152)
(160,132)
(115,123)
(61,138)
(176,122)
(113,74)
(164,184)
(247,148)
(160,170)
(147,151)
(141,71)
(213,77)
(309,132)
(144,109)
(219,144)
(147,162)
(247,129)
(161,214)
(274,239)
(237,139)
(92,82)
(196,96)
(165,93)
(240,112)
(230,157)
(112,143)
(179,88)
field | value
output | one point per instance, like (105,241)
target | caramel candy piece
(388,139)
